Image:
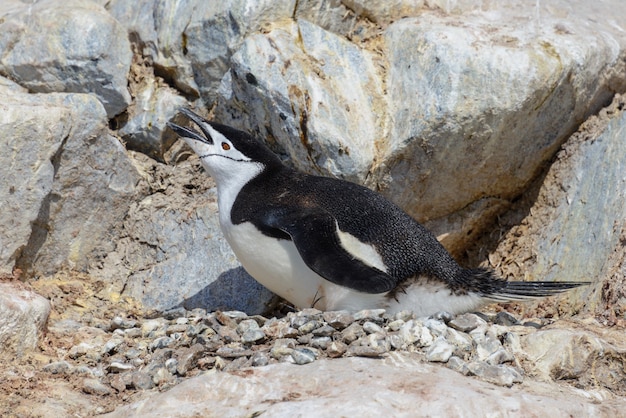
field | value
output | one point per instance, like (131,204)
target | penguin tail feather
(521,291)
(496,289)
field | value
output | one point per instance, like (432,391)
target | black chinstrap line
(225,156)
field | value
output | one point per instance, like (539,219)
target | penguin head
(227,153)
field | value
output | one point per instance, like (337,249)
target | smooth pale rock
(489,102)
(23,316)
(75,46)
(440,351)
(325,388)
(315,93)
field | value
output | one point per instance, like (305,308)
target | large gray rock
(360,387)
(69,181)
(489,106)
(93,188)
(190,42)
(576,227)
(23,316)
(157,27)
(31,137)
(218,28)
(73,46)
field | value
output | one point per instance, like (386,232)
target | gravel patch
(142,354)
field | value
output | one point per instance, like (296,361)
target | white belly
(277,265)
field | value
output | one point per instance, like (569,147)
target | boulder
(69,181)
(71,47)
(575,356)
(31,137)
(144,127)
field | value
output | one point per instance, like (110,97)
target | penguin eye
(225,146)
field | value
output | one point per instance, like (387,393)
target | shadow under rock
(234,289)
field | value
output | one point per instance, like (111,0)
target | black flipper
(315,237)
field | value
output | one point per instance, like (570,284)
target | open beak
(191,133)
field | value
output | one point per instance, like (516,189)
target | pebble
(309,327)
(374,315)
(366,351)
(161,342)
(443,316)
(321,342)
(142,380)
(58,367)
(143,353)
(499,375)
(436,327)
(188,358)
(440,351)
(466,322)
(352,333)
(259,359)
(117,367)
(95,387)
(79,350)
(396,325)
(282,347)
(252,336)
(247,325)
(111,346)
(457,364)
(336,349)
(371,328)
(121,323)
(506,319)
(303,355)
(324,331)
(171,365)
(338,319)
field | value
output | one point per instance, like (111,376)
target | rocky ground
(96,356)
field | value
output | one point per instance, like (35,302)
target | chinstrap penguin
(332,244)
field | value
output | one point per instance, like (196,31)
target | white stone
(23,316)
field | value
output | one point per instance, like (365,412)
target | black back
(406,247)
